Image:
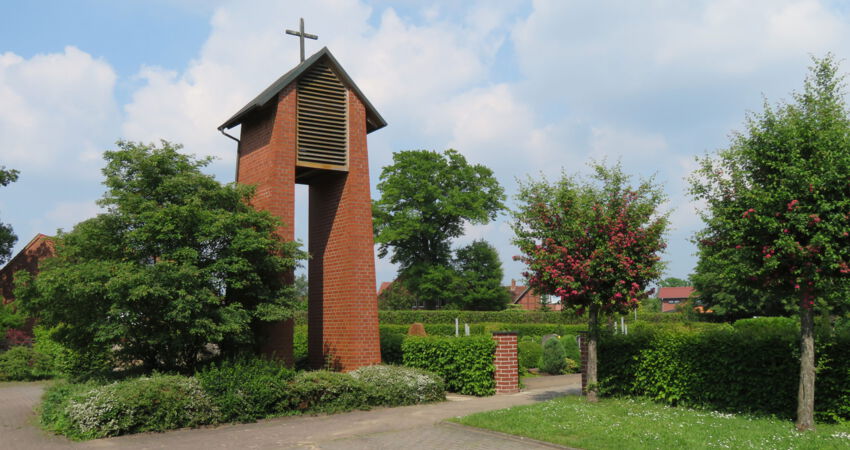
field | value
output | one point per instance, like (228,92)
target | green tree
(176,262)
(480,273)
(673,282)
(7,236)
(778,215)
(595,244)
(426,197)
(396,296)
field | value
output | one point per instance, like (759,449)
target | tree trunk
(592,338)
(806,392)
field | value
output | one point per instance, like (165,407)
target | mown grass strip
(641,424)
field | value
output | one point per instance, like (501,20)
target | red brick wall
(267,160)
(507,364)
(343,307)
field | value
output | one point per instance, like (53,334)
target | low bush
(322,391)
(529,352)
(299,348)
(571,349)
(397,386)
(750,367)
(391,347)
(155,403)
(246,389)
(23,363)
(465,363)
(53,411)
(554,359)
(64,362)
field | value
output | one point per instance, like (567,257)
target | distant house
(39,248)
(672,296)
(384,286)
(527,298)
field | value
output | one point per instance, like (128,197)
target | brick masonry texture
(342,307)
(507,365)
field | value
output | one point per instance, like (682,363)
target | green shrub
(326,392)
(396,385)
(22,363)
(553,360)
(391,347)
(571,349)
(246,389)
(465,363)
(751,367)
(299,348)
(156,403)
(529,352)
(53,411)
(62,361)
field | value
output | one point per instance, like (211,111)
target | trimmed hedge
(751,367)
(406,317)
(466,363)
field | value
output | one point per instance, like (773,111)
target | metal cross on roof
(301,35)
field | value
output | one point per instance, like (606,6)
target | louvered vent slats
(322,123)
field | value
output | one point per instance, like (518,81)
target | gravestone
(309,127)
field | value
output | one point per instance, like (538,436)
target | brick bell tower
(310,127)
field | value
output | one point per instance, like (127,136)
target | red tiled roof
(384,286)
(675,292)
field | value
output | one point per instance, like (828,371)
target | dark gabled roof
(374,121)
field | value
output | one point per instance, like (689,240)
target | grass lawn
(639,424)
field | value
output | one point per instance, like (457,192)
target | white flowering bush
(397,385)
(155,403)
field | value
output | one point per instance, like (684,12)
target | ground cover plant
(642,424)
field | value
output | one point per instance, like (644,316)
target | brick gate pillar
(506,362)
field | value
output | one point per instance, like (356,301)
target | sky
(529,88)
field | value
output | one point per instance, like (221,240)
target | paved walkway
(420,426)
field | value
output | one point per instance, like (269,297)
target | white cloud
(57,110)
(67,214)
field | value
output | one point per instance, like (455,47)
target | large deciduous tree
(594,244)
(178,261)
(7,236)
(480,278)
(426,197)
(778,215)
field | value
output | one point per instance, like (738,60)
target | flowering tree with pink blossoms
(777,235)
(594,244)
